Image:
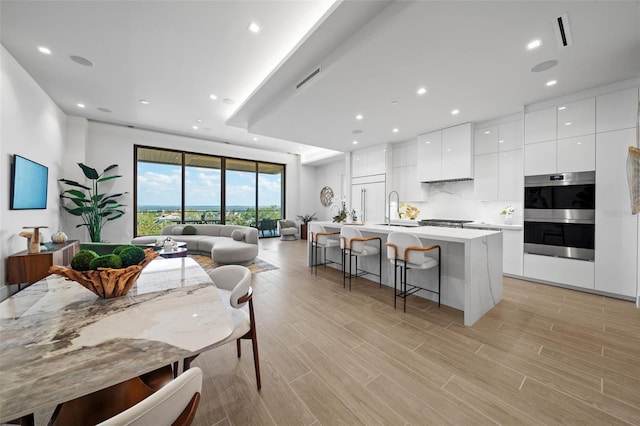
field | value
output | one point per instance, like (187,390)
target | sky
(159,184)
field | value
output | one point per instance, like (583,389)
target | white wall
(112,144)
(32,126)
(330,174)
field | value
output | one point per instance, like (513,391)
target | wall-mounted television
(28,184)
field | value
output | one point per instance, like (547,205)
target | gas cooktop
(449,223)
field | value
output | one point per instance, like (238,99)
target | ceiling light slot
(311,75)
(562,31)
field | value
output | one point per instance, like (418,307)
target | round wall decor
(326,195)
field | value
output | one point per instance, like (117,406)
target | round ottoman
(234,252)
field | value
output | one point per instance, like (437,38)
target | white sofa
(226,244)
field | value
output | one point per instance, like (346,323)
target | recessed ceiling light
(551,82)
(144,102)
(194,127)
(455,112)
(501,141)
(562,108)
(213,97)
(359,117)
(44,50)
(448,149)
(427,142)
(568,123)
(255,139)
(533,44)
(355,142)
(253,27)
(80,105)
(421,91)
(578,143)
(487,132)
(199,120)
(395,130)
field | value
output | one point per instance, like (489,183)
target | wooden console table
(25,267)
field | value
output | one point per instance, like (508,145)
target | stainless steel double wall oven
(559,215)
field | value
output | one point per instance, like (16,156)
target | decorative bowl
(107,282)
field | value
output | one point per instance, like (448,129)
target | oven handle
(560,215)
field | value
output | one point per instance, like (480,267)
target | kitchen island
(471,264)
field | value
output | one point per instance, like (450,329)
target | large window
(181,187)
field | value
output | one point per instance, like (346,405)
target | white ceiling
(469,55)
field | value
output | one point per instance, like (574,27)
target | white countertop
(515,227)
(458,235)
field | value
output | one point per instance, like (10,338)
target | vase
(59,237)
(508,219)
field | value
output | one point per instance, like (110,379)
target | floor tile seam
(491,395)
(592,405)
(592,364)
(531,362)
(417,372)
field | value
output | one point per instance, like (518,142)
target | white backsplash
(454,200)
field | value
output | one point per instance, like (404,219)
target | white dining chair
(134,403)
(321,239)
(405,251)
(234,284)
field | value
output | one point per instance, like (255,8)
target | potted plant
(306,218)
(93,207)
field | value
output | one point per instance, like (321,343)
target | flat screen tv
(28,184)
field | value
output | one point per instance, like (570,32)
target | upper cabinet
(430,156)
(446,154)
(498,173)
(367,162)
(404,177)
(617,110)
(540,126)
(560,139)
(485,140)
(577,118)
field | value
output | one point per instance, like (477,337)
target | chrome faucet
(397,205)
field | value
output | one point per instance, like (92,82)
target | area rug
(257,266)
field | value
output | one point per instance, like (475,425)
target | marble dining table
(59,341)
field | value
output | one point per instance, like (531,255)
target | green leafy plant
(87,202)
(306,218)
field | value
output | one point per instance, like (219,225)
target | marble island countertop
(459,235)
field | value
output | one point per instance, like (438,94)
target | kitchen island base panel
(471,266)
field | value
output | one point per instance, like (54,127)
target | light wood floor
(330,356)
(333,357)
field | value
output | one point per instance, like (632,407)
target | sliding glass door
(240,192)
(181,187)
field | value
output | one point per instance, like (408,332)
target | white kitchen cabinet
(369,198)
(540,126)
(617,110)
(512,251)
(576,154)
(445,154)
(577,273)
(485,140)
(429,152)
(510,175)
(616,239)
(368,162)
(399,156)
(577,118)
(510,136)
(540,158)
(485,182)
(457,156)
